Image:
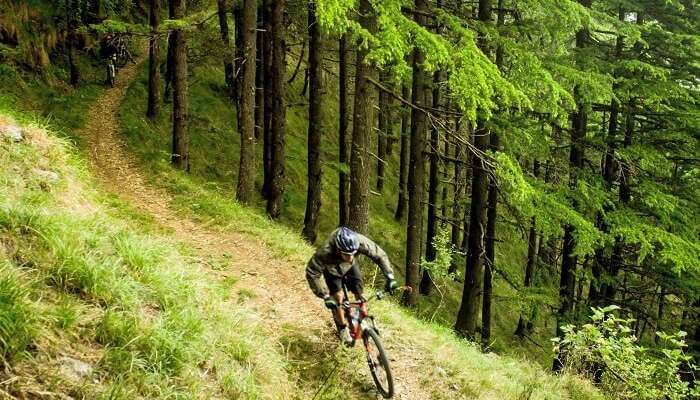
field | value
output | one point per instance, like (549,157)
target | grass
(148,318)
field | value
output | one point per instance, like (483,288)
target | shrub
(607,351)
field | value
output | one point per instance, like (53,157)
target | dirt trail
(273,281)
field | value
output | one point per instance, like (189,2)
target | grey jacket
(327,259)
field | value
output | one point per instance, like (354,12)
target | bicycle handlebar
(379,294)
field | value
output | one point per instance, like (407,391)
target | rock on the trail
(49,176)
(12,132)
(74,369)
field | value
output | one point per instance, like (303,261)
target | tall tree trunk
(382,137)
(532,246)
(153,63)
(259,76)
(343,115)
(490,261)
(426,283)
(70,41)
(268,98)
(313,194)
(228,56)
(278,119)
(416,168)
(468,313)
(238,57)
(457,214)
(363,127)
(246,167)
(443,201)
(404,156)
(181,141)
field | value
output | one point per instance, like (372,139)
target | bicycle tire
(111,76)
(371,338)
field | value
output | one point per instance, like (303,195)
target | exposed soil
(281,295)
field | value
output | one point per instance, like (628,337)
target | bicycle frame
(363,313)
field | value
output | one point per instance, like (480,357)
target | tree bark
(363,127)
(180,152)
(524,324)
(382,135)
(228,56)
(70,42)
(268,98)
(153,62)
(313,194)
(238,57)
(490,254)
(404,156)
(416,169)
(457,214)
(343,114)
(426,283)
(259,76)
(246,166)
(277,69)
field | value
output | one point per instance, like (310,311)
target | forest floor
(279,290)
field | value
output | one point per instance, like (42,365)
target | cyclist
(336,261)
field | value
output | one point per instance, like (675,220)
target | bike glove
(391,286)
(330,303)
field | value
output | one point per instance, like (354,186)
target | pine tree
(246,168)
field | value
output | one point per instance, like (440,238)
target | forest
(531,167)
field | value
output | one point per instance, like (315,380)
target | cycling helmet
(345,240)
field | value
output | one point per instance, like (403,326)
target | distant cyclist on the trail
(336,261)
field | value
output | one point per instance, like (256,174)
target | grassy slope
(214,163)
(101,286)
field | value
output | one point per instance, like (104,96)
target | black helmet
(345,240)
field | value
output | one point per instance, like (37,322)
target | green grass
(92,283)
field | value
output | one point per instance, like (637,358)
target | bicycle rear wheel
(378,363)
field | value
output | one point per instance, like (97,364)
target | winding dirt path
(273,281)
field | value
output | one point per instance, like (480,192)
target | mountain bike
(362,326)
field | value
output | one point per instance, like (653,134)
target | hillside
(133,296)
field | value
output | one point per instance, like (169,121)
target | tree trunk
(277,69)
(457,214)
(532,247)
(313,194)
(426,283)
(403,157)
(343,114)
(228,57)
(471,295)
(490,251)
(246,167)
(468,313)
(416,169)
(238,57)
(70,41)
(268,98)
(383,134)
(153,63)
(259,77)
(180,153)
(363,127)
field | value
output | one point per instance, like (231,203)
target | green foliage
(17,318)
(607,346)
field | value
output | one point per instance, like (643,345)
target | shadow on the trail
(326,369)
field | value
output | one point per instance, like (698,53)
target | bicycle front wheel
(378,363)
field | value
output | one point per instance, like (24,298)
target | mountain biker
(336,261)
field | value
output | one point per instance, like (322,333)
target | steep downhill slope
(134,297)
